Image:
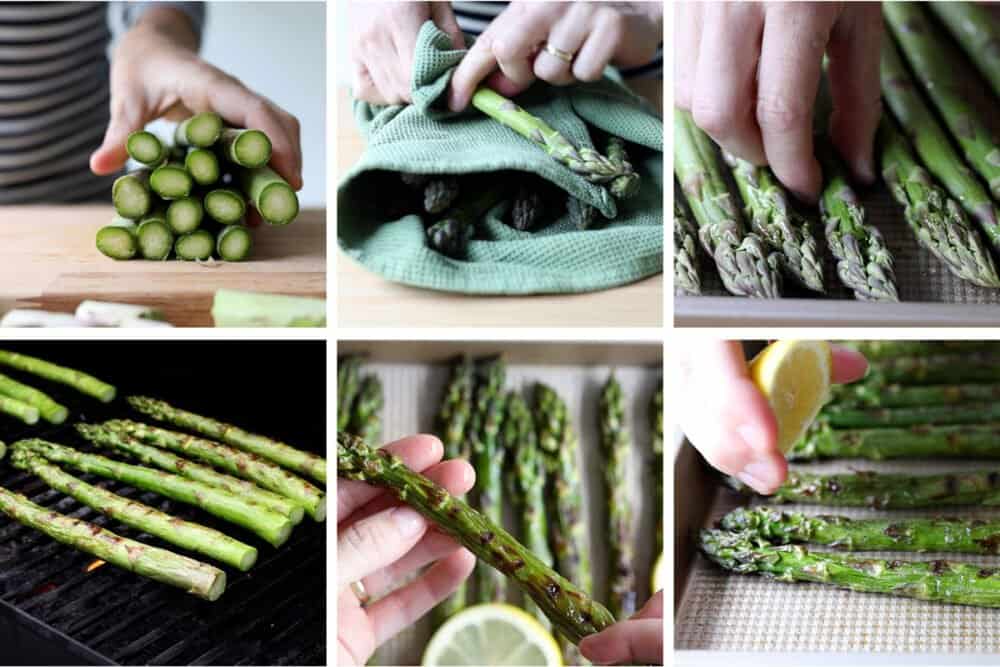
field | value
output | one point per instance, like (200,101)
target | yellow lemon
(492,634)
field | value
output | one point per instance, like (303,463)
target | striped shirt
(54,95)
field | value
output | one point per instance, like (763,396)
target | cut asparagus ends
(270,526)
(107,314)
(199,579)
(246,148)
(234,461)
(184,534)
(48,409)
(145,148)
(225,205)
(85,384)
(155,240)
(203,166)
(234,308)
(201,130)
(234,243)
(19,410)
(131,196)
(185,215)
(572,612)
(104,436)
(118,240)
(171,181)
(196,246)
(305,463)
(270,194)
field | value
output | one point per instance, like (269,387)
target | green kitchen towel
(376,229)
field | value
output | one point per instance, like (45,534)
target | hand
(637,641)
(727,418)
(384,38)
(380,543)
(155,72)
(594,33)
(749,72)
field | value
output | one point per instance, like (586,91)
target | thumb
(111,156)
(377,541)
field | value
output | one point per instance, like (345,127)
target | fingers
(444,18)
(854,86)
(687,41)
(567,35)
(653,607)
(402,608)
(454,475)
(632,642)
(128,114)
(375,542)
(848,365)
(434,546)
(605,38)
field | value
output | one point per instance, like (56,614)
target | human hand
(748,72)
(381,542)
(155,72)
(592,34)
(726,417)
(636,641)
(383,42)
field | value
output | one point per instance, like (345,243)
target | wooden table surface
(48,260)
(367,300)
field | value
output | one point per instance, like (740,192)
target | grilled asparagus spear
(82,382)
(488,458)
(348,385)
(365,419)
(969,441)
(616,443)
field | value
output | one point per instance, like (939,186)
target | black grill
(57,608)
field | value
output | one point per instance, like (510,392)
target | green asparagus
(239,308)
(570,610)
(234,243)
(171,181)
(196,246)
(365,421)
(451,235)
(656,462)
(19,410)
(936,369)
(922,440)
(488,459)
(627,185)
(741,259)
(118,239)
(616,444)
(131,195)
(199,579)
(974,27)
(145,148)
(246,148)
(440,193)
(270,194)
(225,205)
(581,214)
(348,385)
(155,239)
(185,215)
(687,273)
(81,382)
(48,409)
(923,417)
(305,463)
(203,166)
(902,396)
(201,130)
(527,209)
(877,350)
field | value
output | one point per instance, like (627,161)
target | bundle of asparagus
(189,200)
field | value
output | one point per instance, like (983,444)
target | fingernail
(407,521)
(754,437)
(761,475)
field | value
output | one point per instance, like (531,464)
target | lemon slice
(659,574)
(794,375)
(492,634)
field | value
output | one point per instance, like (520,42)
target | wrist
(168,24)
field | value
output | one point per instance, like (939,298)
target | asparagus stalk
(270,526)
(584,160)
(776,222)
(741,259)
(365,415)
(932,144)
(201,130)
(19,410)
(488,457)
(185,534)
(687,273)
(939,581)
(234,243)
(108,437)
(233,461)
(118,239)
(348,386)
(570,610)
(451,235)
(901,396)
(656,463)
(877,350)
(171,181)
(81,382)
(246,148)
(154,239)
(937,369)
(864,263)
(185,215)
(938,222)
(527,209)
(934,62)
(225,205)
(305,463)
(203,166)
(440,193)
(234,308)
(924,416)
(975,29)
(196,246)
(199,579)
(971,441)
(48,409)
(581,214)
(946,535)
(270,194)
(627,185)
(131,196)
(145,148)
(616,443)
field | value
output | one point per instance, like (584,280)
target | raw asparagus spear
(197,578)
(451,235)
(348,386)
(934,63)
(236,308)
(570,610)
(246,148)
(184,215)
(270,526)
(939,581)
(946,535)
(975,29)
(203,166)
(864,263)
(48,409)
(656,462)
(234,243)
(440,193)
(741,259)
(488,457)
(233,461)
(201,130)
(585,161)
(527,209)
(938,369)
(627,185)
(616,443)
(687,273)
(581,214)
(901,396)
(185,534)
(527,482)
(270,194)
(103,436)
(19,410)
(938,222)
(932,144)
(969,441)
(890,490)
(171,181)
(118,239)
(85,384)
(777,223)
(876,350)
(305,463)
(365,415)
(155,239)
(225,205)
(196,246)
(924,416)
(145,148)
(131,195)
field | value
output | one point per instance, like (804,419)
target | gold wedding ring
(564,56)
(360,593)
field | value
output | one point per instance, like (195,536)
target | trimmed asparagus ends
(145,148)
(246,148)
(203,166)
(118,240)
(233,308)
(197,246)
(570,610)
(171,181)
(199,579)
(48,409)
(83,383)
(225,205)
(234,243)
(270,194)
(19,410)
(131,195)
(201,130)
(155,240)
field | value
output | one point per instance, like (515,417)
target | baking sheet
(719,611)
(412,395)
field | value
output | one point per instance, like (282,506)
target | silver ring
(564,56)
(360,593)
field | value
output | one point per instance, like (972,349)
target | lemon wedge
(492,634)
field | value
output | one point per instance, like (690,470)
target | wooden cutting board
(48,260)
